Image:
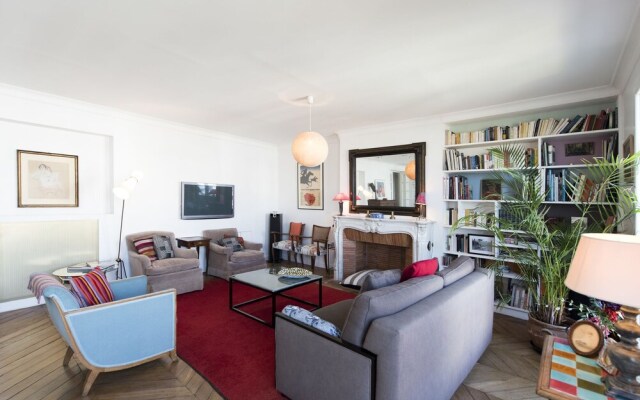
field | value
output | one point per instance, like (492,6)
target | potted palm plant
(545,243)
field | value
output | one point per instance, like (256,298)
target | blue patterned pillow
(309,318)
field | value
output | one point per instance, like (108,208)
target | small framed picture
(491,189)
(380,192)
(47,179)
(480,244)
(579,149)
(310,187)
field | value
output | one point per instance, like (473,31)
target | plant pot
(538,330)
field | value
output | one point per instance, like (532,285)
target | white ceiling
(243,66)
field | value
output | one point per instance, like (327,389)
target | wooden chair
(295,232)
(319,246)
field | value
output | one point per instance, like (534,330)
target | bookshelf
(557,144)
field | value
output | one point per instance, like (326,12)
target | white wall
(429,130)
(110,144)
(288,200)
(629,101)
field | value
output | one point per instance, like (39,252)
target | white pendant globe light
(310,148)
(410,170)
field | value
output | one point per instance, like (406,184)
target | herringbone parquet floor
(31,353)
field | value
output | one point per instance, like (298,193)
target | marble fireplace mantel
(420,230)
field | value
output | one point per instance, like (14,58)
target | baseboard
(18,304)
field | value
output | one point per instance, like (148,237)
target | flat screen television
(206,201)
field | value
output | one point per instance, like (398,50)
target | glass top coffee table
(274,286)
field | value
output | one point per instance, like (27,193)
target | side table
(196,241)
(565,375)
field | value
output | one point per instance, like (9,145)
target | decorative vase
(538,330)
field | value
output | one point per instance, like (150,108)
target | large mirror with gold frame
(382,179)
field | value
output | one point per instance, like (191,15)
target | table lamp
(340,197)
(607,267)
(421,201)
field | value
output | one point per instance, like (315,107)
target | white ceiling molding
(630,56)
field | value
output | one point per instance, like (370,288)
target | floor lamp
(123,192)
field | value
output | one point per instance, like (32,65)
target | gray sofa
(416,339)
(224,262)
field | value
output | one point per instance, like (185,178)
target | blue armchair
(135,328)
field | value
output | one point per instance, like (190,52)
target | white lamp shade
(410,170)
(121,193)
(310,149)
(607,267)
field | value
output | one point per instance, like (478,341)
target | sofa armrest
(185,253)
(138,263)
(252,245)
(324,358)
(135,329)
(217,249)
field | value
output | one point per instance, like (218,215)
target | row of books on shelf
(606,119)
(447,259)
(458,243)
(609,150)
(456,160)
(472,217)
(518,295)
(456,188)
(559,184)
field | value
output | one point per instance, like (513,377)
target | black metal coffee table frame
(273,295)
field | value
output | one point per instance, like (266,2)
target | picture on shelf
(380,192)
(491,189)
(579,149)
(480,244)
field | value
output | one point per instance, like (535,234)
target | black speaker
(275,225)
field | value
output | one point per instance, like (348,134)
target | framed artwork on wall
(380,189)
(310,187)
(47,179)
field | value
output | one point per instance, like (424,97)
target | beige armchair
(181,272)
(224,262)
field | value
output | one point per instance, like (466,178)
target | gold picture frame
(47,179)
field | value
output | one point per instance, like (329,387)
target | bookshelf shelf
(469,167)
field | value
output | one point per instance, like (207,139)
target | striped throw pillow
(145,247)
(92,288)
(356,280)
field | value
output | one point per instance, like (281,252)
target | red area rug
(235,353)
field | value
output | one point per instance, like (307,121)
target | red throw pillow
(420,268)
(92,288)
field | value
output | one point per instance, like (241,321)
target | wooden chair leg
(88,382)
(313,264)
(174,356)
(67,356)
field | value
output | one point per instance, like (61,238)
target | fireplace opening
(368,250)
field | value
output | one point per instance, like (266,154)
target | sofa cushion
(380,279)
(420,268)
(459,268)
(92,288)
(162,247)
(385,301)
(309,318)
(169,265)
(144,247)
(232,243)
(355,281)
(240,239)
(246,256)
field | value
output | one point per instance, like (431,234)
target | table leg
(230,293)
(320,293)
(273,310)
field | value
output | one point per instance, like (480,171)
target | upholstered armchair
(181,272)
(287,241)
(317,246)
(133,329)
(224,261)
